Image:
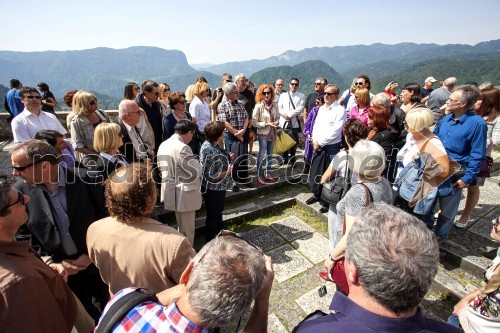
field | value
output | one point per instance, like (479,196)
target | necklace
(183,116)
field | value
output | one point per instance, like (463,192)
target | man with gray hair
(390,262)
(215,290)
(438,97)
(134,148)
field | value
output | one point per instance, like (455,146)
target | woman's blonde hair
(81,103)
(419,119)
(106,137)
(363,96)
(199,88)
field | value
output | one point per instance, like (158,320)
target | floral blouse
(214,160)
(489,306)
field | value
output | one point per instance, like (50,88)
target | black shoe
(250,185)
(311,200)
(324,209)
(235,188)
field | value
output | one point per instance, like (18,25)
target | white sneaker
(462,225)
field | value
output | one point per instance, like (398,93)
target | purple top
(308,129)
(350,317)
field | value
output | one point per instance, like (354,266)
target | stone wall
(6,132)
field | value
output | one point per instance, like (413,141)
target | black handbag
(334,190)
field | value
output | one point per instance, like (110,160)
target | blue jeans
(449,208)
(240,163)
(453,320)
(265,148)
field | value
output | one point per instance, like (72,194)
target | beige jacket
(261,116)
(180,174)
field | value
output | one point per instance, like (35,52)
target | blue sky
(245,29)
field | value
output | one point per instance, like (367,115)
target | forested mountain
(344,58)
(102,69)
(465,71)
(306,72)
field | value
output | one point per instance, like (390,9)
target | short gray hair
(450,82)
(369,159)
(123,107)
(240,76)
(227,274)
(470,94)
(486,85)
(382,99)
(396,256)
(228,87)
(36,150)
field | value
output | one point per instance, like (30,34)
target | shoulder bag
(334,190)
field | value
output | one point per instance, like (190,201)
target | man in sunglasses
(33,119)
(291,105)
(35,297)
(63,204)
(216,289)
(148,101)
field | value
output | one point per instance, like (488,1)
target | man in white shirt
(291,105)
(327,130)
(33,119)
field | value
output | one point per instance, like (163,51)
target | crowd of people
(86,196)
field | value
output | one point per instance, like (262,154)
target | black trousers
(214,203)
(92,292)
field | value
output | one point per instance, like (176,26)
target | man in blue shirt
(12,98)
(390,262)
(463,135)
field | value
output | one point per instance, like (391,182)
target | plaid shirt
(154,317)
(214,159)
(232,112)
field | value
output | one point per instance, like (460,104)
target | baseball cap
(430,79)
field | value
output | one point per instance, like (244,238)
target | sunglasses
(318,84)
(294,84)
(33,97)
(24,167)
(20,199)
(359,83)
(181,102)
(266,93)
(93,102)
(329,93)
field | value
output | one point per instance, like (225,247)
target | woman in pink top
(360,110)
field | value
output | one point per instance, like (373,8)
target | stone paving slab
(313,246)
(264,237)
(287,262)
(310,301)
(292,228)
(475,264)
(274,325)
(482,228)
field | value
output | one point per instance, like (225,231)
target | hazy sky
(219,31)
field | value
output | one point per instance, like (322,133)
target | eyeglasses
(93,102)
(329,93)
(20,199)
(294,84)
(453,100)
(279,84)
(267,93)
(359,83)
(33,97)
(24,167)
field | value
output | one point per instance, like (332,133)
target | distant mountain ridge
(344,58)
